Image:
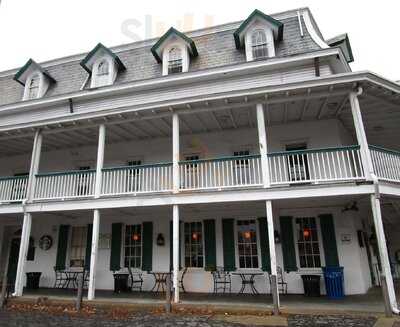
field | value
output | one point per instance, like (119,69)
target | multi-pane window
(133,246)
(34,87)
(247,243)
(298,163)
(241,162)
(259,44)
(175,61)
(192,158)
(103,68)
(133,176)
(78,246)
(307,243)
(194,255)
(83,182)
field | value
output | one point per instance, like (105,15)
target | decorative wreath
(45,242)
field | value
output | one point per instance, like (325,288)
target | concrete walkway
(294,304)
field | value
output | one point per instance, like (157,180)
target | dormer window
(35,80)
(174,51)
(103,65)
(258,35)
(33,87)
(259,44)
(175,61)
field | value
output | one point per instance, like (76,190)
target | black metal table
(73,276)
(247,279)
(160,280)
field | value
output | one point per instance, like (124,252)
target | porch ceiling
(380,110)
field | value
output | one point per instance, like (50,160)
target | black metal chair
(62,280)
(222,280)
(184,271)
(136,279)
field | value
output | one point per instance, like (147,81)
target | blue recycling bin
(334,282)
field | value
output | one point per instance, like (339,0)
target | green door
(13,261)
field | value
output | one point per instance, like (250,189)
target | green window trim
(229,244)
(288,245)
(329,243)
(62,247)
(116,246)
(210,246)
(88,253)
(264,244)
(147,246)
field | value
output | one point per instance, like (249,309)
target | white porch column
(175,153)
(262,140)
(272,255)
(27,223)
(383,253)
(361,136)
(96,213)
(175,250)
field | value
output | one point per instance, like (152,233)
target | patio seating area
(131,279)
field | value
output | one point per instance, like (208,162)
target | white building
(255,137)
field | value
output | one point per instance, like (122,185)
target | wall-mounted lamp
(160,240)
(277,236)
(350,207)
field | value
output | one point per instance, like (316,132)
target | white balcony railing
(386,164)
(13,189)
(72,184)
(137,179)
(314,166)
(238,171)
(286,168)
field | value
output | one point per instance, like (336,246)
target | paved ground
(330,321)
(17,319)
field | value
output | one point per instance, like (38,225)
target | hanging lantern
(136,237)
(247,235)
(195,236)
(306,233)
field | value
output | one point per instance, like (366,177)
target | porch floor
(371,302)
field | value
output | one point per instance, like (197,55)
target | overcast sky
(48,29)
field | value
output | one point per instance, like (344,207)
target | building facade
(250,146)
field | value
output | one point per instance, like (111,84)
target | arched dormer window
(103,68)
(33,87)
(175,62)
(259,44)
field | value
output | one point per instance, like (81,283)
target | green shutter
(171,245)
(264,244)
(210,245)
(228,244)
(116,241)
(329,240)
(62,247)
(147,243)
(88,253)
(288,249)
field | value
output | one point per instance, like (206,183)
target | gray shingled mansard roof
(216,47)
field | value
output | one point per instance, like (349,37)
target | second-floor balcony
(289,168)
